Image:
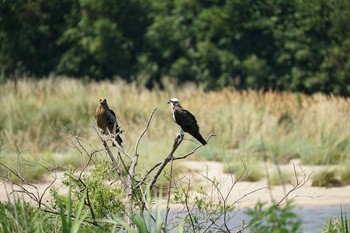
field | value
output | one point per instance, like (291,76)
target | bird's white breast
(173,114)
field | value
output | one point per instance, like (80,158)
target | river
(314,219)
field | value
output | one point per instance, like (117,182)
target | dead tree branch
(161,167)
(110,154)
(177,142)
(131,176)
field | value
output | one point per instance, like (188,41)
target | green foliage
(202,206)
(345,174)
(277,219)
(338,225)
(29,32)
(70,224)
(105,199)
(283,45)
(22,217)
(326,178)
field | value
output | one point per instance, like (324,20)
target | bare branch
(161,167)
(45,190)
(115,143)
(168,196)
(196,148)
(114,162)
(175,145)
(144,131)
(131,177)
(142,181)
(136,155)
(73,216)
(296,186)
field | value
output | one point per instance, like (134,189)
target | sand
(241,194)
(247,194)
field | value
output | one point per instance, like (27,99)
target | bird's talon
(179,136)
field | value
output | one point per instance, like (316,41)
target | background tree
(271,44)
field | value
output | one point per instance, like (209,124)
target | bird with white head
(186,120)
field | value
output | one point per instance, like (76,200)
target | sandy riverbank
(242,194)
(246,194)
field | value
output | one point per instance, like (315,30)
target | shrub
(275,218)
(245,171)
(338,225)
(326,178)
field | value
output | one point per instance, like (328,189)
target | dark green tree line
(291,45)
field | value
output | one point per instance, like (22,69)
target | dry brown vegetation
(37,118)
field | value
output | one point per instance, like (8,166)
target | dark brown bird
(186,120)
(105,119)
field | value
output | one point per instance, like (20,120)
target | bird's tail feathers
(119,139)
(116,130)
(200,139)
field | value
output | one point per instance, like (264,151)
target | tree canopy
(292,45)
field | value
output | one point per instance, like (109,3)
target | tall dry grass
(36,116)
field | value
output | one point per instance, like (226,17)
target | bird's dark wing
(188,123)
(111,119)
(186,120)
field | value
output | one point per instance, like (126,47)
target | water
(313,218)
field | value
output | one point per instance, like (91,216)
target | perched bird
(186,120)
(105,118)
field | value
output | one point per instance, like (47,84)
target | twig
(47,188)
(196,148)
(142,181)
(73,216)
(187,205)
(120,148)
(168,197)
(87,164)
(17,175)
(223,199)
(176,143)
(15,210)
(136,155)
(296,186)
(109,152)
(161,167)
(131,177)
(144,131)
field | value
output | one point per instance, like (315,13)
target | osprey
(105,119)
(186,120)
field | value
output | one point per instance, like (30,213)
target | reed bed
(40,117)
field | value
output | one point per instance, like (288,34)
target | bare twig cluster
(204,212)
(149,179)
